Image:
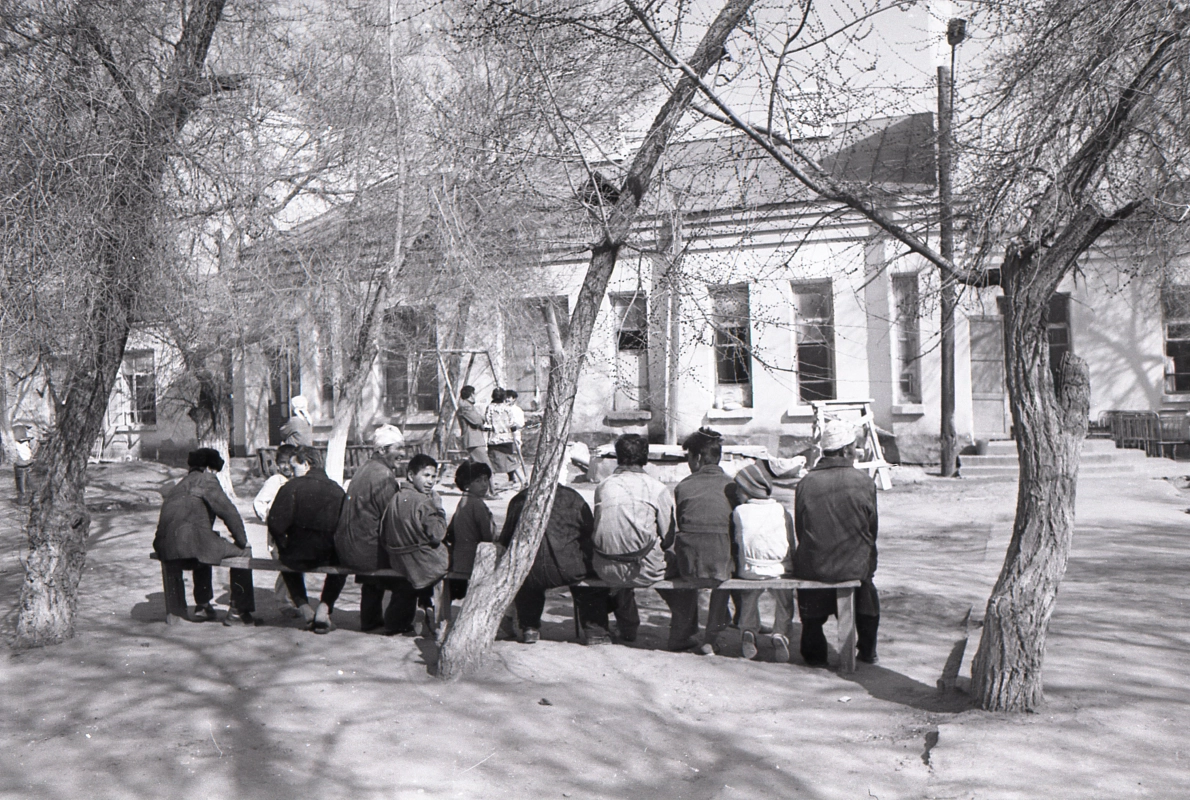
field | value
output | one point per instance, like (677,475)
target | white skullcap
(386,435)
(837,434)
(298,403)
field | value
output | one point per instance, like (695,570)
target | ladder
(869,456)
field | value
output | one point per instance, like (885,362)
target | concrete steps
(1100,458)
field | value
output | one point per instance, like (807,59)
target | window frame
(409,331)
(1175,312)
(823,330)
(140,414)
(907,322)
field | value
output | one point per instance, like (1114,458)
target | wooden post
(176,609)
(948,437)
(845,605)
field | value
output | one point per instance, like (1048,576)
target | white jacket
(764,539)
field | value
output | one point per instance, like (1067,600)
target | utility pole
(955,32)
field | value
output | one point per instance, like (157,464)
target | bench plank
(272,565)
(845,591)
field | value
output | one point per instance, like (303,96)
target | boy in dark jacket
(413,530)
(302,521)
(184,531)
(471,524)
(563,559)
(702,548)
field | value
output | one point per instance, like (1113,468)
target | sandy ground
(132,708)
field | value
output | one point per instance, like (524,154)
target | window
(285,381)
(527,343)
(326,370)
(410,361)
(815,327)
(1175,306)
(632,345)
(907,303)
(141,381)
(1057,330)
(632,322)
(733,358)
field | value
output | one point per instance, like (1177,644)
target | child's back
(763,533)
(413,528)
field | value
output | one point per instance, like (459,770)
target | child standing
(764,540)
(471,524)
(413,530)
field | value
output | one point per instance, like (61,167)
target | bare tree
(1080,132)
(468,640)
(103,95)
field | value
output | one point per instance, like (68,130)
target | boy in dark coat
(563,559)
(836,523)
(471,524)
(702,548)
(413,530)
(302,521)
(357,537)
(185,531)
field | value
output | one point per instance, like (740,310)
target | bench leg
(846,614)
(176,609)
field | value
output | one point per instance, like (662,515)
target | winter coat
(184,529)
(471,524)
(564,555)
(357,536)
(764,539)
(297,431)
(303,520)
(471,423)
(835,522)
(413,530)
(704,502)
(634,524)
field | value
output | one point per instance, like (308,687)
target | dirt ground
(132,708)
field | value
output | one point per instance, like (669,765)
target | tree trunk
(211,415)
(58,521)
(454,362)
(470,638)
(365,347)
(1049,427)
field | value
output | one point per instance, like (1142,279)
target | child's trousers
(750,610)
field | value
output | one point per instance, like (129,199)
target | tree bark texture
(470,638)
(1049,426)
(58,520)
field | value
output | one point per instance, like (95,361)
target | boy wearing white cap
(835,520)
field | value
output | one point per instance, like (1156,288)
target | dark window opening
(908,329)
(815,327)
(140,379)
(410,362)
(1175,306)
(730,318)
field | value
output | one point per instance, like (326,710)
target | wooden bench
(176,607)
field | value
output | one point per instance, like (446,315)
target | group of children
(303,517)
(710,526)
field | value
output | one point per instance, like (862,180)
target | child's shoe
(205,613)
(780,649)
(748,645)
